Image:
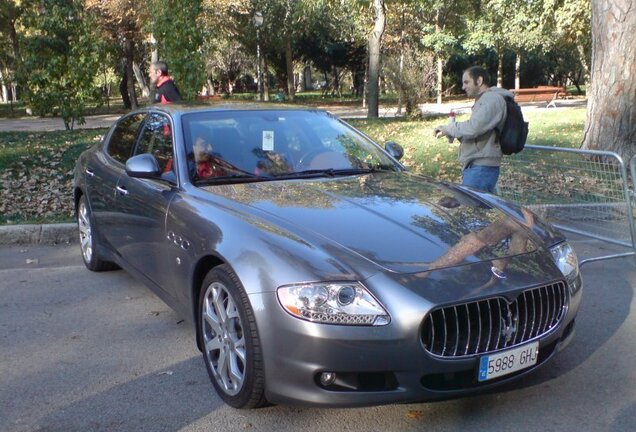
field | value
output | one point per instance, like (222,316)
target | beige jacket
(477,136)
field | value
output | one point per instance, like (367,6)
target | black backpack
(513,134)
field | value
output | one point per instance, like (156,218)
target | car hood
(400,221)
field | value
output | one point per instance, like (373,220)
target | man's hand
(440,131)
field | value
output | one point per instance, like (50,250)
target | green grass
(437,158)
(563,128)
(573,91)
(36,168)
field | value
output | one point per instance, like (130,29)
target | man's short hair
(477,71)
(162,66)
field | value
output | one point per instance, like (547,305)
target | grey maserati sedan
(313,266)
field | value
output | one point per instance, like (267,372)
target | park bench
(214,97)
(546,94)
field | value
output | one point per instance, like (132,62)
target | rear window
(122,140)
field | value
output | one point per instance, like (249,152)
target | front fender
(265,253)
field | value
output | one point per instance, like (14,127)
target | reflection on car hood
(400,221)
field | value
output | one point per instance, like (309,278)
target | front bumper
(374,365)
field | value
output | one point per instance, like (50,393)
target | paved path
(44,124)
(83,351)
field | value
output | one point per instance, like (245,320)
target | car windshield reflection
(273,145)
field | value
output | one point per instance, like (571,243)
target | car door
(103,171)
(142,204)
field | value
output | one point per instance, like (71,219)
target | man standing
(166,91)
(479,150)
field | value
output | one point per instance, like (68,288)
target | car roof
(182,108)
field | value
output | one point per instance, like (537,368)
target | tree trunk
(289,60)
(401,66)
(375,42)
(440,64)
(440,75)
(141,80)
(500,59)
(611,121)
(123,90)
(308,84)
(13,35)
(4,98)
(518,71)
(336,82)
(130,75)
(154,53)
(265,80)
(148,89)
(400,87)
(365,86)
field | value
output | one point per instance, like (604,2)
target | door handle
(121,190)
(90,172)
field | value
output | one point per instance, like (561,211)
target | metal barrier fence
(580,191)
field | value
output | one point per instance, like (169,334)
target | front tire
(230,343)
(88,241)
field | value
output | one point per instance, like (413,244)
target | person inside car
(205,161)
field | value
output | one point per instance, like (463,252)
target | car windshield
(261,145)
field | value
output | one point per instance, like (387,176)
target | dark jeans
(481,177)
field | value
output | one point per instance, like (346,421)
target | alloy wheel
(223,338)
(86,238)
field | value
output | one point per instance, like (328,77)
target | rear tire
(88,241)
(229,340)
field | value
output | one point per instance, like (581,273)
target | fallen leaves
(36,179)
(35,191)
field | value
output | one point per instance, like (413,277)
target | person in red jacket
(206,161)
(166,91)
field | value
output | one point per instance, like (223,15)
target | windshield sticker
(268,140)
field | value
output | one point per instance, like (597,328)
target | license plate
(507,362)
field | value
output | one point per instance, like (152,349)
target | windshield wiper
(230,178)
(329,172)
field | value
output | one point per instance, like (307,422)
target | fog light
(327,378)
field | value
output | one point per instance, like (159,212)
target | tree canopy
(59,60)
(60,55)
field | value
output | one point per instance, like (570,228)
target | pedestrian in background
(479,149)
(166,91)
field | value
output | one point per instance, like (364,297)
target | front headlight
(333,303)
(565,258)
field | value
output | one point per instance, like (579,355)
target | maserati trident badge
(508,326)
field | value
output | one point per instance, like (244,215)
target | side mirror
(143,166)
(394,149)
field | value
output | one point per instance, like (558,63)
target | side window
(123,138)
(156,139)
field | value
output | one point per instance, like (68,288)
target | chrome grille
(492,324)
